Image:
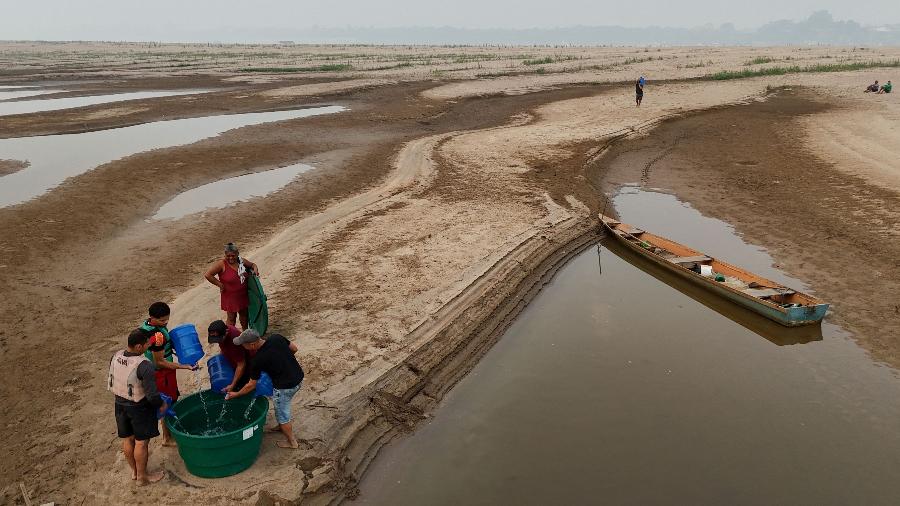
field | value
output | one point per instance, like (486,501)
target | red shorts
(167,383)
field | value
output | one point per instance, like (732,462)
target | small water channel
(10,94)
(56,104)
(616,386)
(54,158)
(223,193)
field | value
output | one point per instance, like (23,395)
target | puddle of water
(55,104)
(614,388)
(23,93)
(54,158)
(229,191)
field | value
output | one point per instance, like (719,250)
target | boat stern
(805,315)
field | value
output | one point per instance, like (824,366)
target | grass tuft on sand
(796,69)
(538,61)
(759,60)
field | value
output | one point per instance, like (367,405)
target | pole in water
(599,257)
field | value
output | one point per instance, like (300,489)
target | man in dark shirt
(274,356)
(639,91)
(223,334)
(133,381)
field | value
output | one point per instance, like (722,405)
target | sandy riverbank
(436,211)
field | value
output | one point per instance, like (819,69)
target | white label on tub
(248,433)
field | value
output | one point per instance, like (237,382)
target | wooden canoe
(773,332)
(756,293)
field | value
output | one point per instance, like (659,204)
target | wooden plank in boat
(690,260)
(766,292)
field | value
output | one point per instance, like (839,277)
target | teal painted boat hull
(787,316)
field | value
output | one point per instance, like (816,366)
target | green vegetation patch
(538,61)
(759,60)
(389,67)
(795,69)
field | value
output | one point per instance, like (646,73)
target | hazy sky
(212,19)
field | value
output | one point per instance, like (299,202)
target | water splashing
(177,423)
(249,408)
(202,396)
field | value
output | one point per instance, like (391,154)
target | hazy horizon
(223,20)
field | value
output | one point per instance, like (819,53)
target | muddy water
(56,104)
(54,158)
(228,191)
(614,387)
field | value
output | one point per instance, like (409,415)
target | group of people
(143,375)
(875,88)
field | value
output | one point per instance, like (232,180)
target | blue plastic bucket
(264,386)
(186,343)
(220,372)
(169,410)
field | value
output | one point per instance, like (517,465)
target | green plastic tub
(214,444)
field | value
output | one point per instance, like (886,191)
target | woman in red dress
(232,272)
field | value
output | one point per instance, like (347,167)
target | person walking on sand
(639,91)
(232,272)
(160,353)
(133,382)
(275,357)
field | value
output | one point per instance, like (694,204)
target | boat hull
(789,317)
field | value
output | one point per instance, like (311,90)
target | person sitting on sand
(275,357)
(160,353)
(232,271)
(886,88)
(132,380)
(872,88)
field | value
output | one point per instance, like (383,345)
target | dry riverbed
(435,211)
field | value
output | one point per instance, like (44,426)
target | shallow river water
(618,386)
(223,193)
(16,93)
(54,158)
(56,104)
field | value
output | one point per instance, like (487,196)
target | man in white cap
(274,355)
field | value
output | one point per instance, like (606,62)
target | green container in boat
(214,445)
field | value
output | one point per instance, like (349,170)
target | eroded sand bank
(434,214)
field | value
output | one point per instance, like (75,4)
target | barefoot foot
(289,445)
(152,478)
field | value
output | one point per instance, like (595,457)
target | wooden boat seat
(636,231)
(690,260)
(763,293)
